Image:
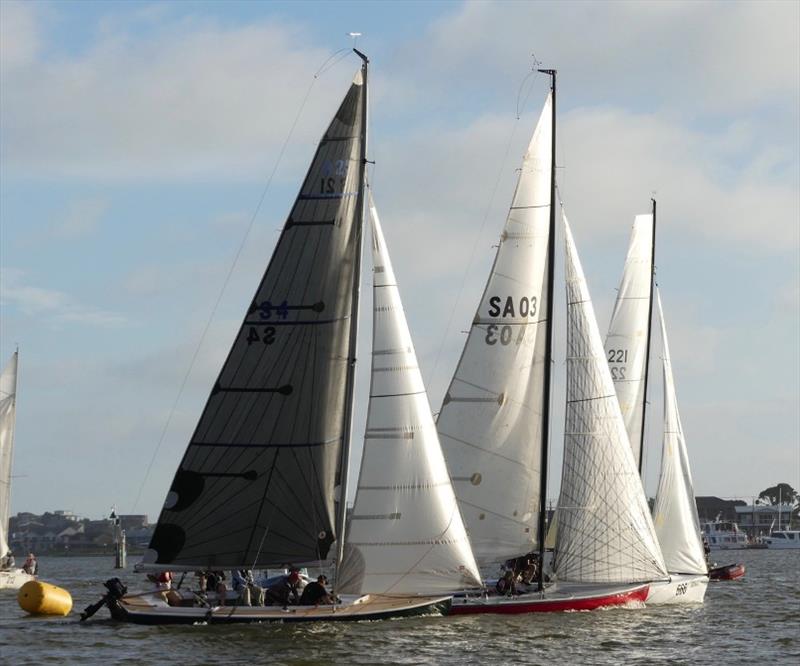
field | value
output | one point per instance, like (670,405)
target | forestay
(605,533)
(405,534)
(8,399)
(256,485)
(626,342)
(675,512)
(490,423)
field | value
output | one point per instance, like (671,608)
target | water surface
(756,620)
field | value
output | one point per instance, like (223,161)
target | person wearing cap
(315,593)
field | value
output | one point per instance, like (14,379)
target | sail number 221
(617,356)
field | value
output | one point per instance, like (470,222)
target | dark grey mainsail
(256,485)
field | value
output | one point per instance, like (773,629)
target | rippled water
(750,621)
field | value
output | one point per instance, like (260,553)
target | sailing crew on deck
(506,586)
(243,582)
(31,566)
(315,593)
(285,587)
(215,580)
(7,561)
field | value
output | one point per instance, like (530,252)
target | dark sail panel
(256,485)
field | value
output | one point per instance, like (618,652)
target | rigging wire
(332,60)
(488,210)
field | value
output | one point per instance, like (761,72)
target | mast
(649,335)
(344,463)
(548,355)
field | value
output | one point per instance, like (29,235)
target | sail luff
(344,465)
(643,434)
(626,343)
(8,406)
(548,353)
(490,422)
(605,532)
(405,534)
(675,512)
(256,484)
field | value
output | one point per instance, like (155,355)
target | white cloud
(58,306)
(82,217)
(20,37)
(187,99)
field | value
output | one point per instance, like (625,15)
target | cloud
(20,37)
(82,217)
(185,99)
(59,307)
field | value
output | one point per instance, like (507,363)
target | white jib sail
(490,423)
(626,342)
(8,398)
(675,511)
(405,534)
(605,532)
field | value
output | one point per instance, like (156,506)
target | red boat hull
(533,603)
(728,572)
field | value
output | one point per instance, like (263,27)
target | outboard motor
(116,590)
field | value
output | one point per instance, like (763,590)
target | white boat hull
(13,579)
(679,589)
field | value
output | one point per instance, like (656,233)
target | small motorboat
(727,572)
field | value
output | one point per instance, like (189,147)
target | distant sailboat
(628,352)
(11,577)
(494,423)
(259,483)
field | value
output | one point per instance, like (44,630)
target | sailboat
(259,483)
(11,578)
(494,423)
(628,353)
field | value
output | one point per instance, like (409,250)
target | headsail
(405,534)
(8,406)
(605,533)
(490,424)
(256,485)
(626,342)
(675,512)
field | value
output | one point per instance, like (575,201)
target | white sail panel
(405,534)
(626,342)
(8,398)
(490,423)
(605,532)
(675,512)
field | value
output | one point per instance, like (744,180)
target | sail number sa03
(514,308)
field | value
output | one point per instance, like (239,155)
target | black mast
(344,464)
(548,354)
(649,331)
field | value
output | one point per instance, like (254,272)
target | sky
(137,138)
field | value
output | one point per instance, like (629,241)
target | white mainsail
(405,534)
(8,399)
(605,532)
(675,512)
(626,342)
(490,423)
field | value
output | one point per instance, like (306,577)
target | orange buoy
(38,598)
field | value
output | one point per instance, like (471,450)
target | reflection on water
(749,621)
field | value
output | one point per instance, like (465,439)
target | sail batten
(257,483)
(605,533)
(495,402)
(405,535)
